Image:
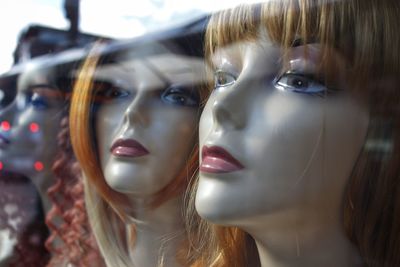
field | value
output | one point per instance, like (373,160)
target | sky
(116,18)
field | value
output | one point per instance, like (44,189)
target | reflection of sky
(122,19)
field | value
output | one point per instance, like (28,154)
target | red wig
(76,244)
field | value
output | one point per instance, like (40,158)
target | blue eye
(39,102)
(300,83)
(222,79)
(181,95)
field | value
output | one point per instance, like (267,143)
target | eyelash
(219,74)
(181,96)
(295,82)
(106,92)
(315,87)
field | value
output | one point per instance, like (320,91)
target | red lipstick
(128,148)
(215,159)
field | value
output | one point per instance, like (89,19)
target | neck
(313,240)
(158,233)
(42,181)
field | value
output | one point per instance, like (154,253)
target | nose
(137,111)
(229,106)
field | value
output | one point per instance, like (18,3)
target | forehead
(35,75)
(263,52)
(153,71)
(179,69)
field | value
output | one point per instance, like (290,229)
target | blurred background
(24,20)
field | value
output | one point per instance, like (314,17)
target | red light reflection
(38,166)
(5,126)
(1,165)
(34,127)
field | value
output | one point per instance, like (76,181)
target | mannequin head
(159,111)
(277,125)
(31,122)
(152,100)
(37,146)
(300,95)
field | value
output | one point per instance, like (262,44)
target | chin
(23,167)
(133,186)
(125,185)
(215,212)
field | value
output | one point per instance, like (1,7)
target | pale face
(30,124)
(274,142)
(146,126)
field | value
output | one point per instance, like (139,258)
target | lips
(215,159)
(128,148)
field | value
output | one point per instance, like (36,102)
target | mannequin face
(275,141)
(28,136)
(145,127)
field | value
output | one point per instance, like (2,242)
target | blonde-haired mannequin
(304,90)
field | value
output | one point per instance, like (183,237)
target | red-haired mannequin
(30,147)
(134,190)
(28,144)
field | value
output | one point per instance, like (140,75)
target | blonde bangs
(230,26)
(356,29)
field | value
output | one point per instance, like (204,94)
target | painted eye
(115,92)
(181,95)
(39,102)
(222,79)
(106,92)
(300,83)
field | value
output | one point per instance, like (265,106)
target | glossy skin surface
(154,103)
(33,118)
(296,138)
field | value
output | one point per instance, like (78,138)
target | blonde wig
(365,33)
(107,209)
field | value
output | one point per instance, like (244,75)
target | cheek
(206,124)
(284,129)
(175,135)
(44,132)
(345,135)
(108,122)
(110,117)
(39,128)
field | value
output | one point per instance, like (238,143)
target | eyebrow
(48,90)
(42,85)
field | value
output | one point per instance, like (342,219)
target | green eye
(222,79)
